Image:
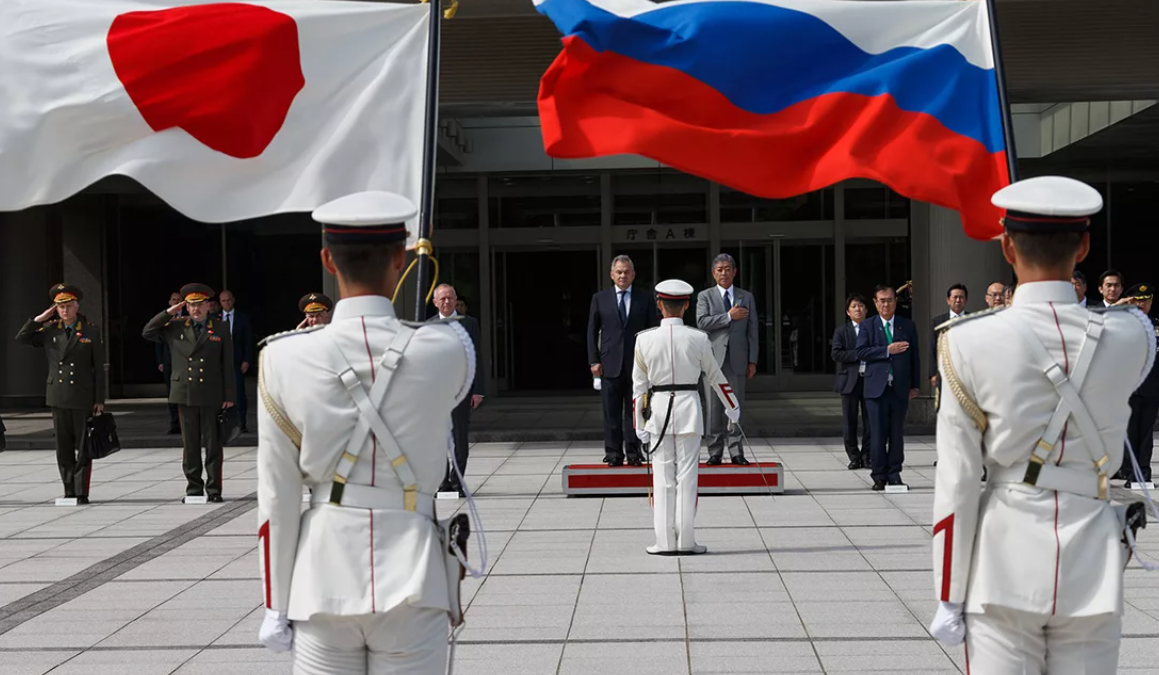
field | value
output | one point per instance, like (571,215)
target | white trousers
(674,472)
(1010,642)
(406,640)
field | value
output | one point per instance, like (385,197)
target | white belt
(369,497)
(1081,482)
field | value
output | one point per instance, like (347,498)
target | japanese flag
(226,111)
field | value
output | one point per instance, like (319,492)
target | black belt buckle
(1032,470)
(336,493)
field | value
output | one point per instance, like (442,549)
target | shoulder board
(297,331)
(424,324)
(969,317)
(648,330)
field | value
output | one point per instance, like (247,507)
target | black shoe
(245,430)
(739,460)
(3,442)
(865,461)
(215,499)
(636,462)
(878,485)
(614,462)
(173,431)
(855,464)
(82,500)
(896,481)
(713,461)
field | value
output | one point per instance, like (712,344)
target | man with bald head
(446,302)
(996,295)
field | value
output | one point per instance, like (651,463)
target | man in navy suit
(242,332)
(889,347)
(616,315)
(850,381)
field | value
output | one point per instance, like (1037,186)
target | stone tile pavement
(828,578)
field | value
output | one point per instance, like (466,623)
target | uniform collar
(1059,292)
(671,322)
(362,305)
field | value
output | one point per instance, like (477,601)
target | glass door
(805,298)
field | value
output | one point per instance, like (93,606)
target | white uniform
(675,354)
(365,582)
(1040,571)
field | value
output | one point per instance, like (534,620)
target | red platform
(601,480)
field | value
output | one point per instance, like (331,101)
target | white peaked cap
(673,289)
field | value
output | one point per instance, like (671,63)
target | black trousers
(76,470)
(1141,433)
(851,404)
(887,428)
(241,402)
(619,427)
(460,424)
(174,420)
(199,425)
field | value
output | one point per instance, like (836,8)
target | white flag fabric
(226,111)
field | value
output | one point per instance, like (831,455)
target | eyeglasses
(885,301)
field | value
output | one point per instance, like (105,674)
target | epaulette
(959,320)
(1112,308)
(647,330)
(297,331)
(424,324)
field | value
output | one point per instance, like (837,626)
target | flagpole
(423,248)
(1000,75)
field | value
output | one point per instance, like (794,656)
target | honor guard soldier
(360,413)
(76,380)
(316,308)
(202,383)
(669,362)
(1029,570)
(1145,400)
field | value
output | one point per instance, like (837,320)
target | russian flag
(781,97)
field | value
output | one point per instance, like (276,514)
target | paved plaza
(828,578)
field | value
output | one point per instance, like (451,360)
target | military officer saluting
(1030,569)
(202,383)
(360,412)
(76,380)
(316,308)
(1145,400)
(669,362)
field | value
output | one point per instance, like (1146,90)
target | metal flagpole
(1000,74)
(423,247)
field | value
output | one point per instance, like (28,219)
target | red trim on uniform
(946,525)
(726,389)
(966,646)
(372,583)
(264,537)
(1061,451)
(373,438)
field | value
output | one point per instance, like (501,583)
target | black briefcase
(228,425)
(101,436)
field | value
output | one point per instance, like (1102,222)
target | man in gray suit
(729,315)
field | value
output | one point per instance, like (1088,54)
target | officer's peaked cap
(673,289)
(366,218)
(1048,204)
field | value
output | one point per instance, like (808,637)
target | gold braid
(276,413)
(951,377)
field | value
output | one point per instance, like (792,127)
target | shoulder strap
(370,419)
(1070,404)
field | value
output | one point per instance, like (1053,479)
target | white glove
(276,634)
(644,436)
(733,414)
(948,626)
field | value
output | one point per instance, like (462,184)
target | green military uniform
(76,383)
(202,380)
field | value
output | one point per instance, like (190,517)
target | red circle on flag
(225,73)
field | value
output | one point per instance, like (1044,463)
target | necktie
(889,340)
(68,332)
(623,307)
(727,300)
(197,330)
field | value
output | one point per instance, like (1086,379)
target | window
(661,198)
(739,207)
(555,200)
(869,203)
(456,203)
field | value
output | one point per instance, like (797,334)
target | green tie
(889,339)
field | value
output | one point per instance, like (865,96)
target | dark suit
(202,380)
(851,386)
(612,344)
(938,320)
(243,352)
(76,382)
(888,401)
(1141,428)
(461,415)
